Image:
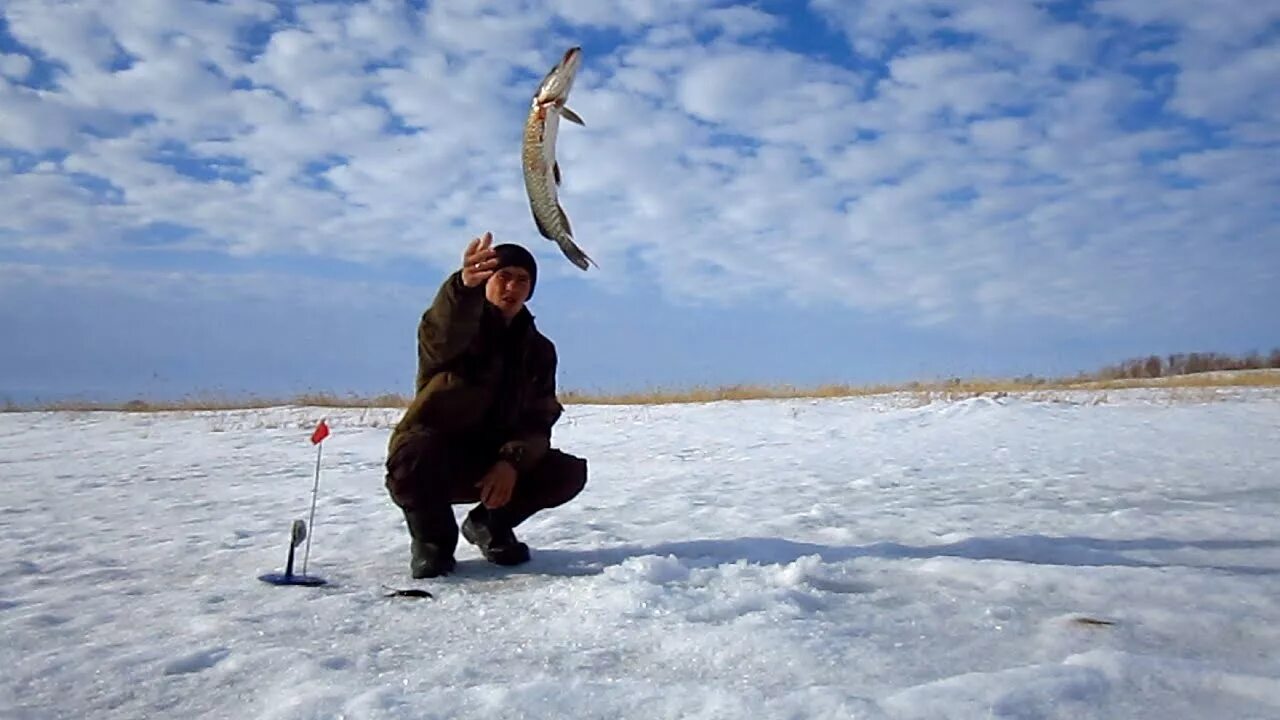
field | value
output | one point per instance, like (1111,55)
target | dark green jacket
(478,375)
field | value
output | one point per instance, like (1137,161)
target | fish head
(556,84)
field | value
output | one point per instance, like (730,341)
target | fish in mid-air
(538,155)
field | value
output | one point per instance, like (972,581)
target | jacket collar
(520,324)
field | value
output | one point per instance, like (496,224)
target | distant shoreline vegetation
(1181,370)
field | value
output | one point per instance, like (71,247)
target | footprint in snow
(336,662)
(197,661)
(25,567)
(840,586)
(49,620)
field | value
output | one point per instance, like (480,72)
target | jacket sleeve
(532,438)
(449,325)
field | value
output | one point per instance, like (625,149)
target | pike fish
(538,155)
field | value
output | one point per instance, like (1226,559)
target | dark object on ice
(288,579)
(408,592)
(297,533)
(1091,621)
(479,427)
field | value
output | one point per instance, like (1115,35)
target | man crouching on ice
(479,426)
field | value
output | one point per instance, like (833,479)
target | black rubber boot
(497,542)
(428,559)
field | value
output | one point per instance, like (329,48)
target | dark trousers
(431,471)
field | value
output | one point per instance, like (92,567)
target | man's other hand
(497,485)
(478,261)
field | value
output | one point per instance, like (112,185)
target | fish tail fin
(574,253)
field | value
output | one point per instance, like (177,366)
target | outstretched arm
(449,325)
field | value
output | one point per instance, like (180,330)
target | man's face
(508,288)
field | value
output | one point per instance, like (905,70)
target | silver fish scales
(538,155)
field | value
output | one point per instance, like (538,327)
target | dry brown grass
(1201,386)
(950,390)
(1240,378)
(217,403)
(704,394)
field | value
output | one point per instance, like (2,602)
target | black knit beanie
(512,255)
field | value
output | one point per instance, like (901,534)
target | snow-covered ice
(841,558)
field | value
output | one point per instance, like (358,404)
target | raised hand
(479,260)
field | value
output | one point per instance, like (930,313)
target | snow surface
(857,558)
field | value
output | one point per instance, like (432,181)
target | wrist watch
(512,454)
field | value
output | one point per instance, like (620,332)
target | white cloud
(738,22)
(1017,32)
(627,14)
(770,95)
(1243,87)
(1000,135)
(1007,176)
(74,36)
(34,120)
(15,66)
(924,84)
(318,75)
(870,25)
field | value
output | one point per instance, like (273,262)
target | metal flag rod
(311,521)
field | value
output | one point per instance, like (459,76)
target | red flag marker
(320,433)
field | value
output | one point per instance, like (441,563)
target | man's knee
(563,476)
(415,463)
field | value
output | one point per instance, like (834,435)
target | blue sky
(261,198)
